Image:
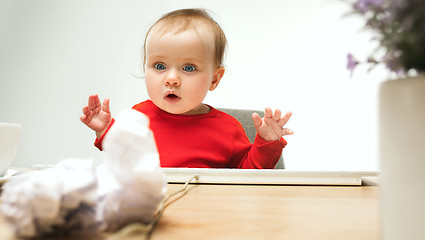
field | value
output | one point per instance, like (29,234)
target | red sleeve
(260,155)
(98,141)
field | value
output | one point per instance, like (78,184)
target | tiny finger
(285,119)
(268,112)
(86,110)
(277,114)
(287,131)
(94,102)
(105,106)
(256,119)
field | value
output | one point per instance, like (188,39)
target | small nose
(172,79)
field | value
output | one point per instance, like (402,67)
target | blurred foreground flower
(399,26)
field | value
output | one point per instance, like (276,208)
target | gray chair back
(244,116)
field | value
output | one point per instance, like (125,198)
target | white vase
(402,158)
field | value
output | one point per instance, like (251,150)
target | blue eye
(160,66)
(189,68)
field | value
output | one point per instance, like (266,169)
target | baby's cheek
(200,93)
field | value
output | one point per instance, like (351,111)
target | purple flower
(364,5)
(351,63)
(398,26)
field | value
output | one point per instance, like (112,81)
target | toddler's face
(180,69)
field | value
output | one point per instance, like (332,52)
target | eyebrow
(190,59)
(186,59)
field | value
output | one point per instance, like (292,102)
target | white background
(285,54)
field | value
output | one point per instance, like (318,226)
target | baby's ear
(218,74)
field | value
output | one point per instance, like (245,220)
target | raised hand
(270,128)
(96,116)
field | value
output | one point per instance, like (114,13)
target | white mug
(9,139)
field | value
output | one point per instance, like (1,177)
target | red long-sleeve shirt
(211,140)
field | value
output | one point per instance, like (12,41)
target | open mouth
(172,97)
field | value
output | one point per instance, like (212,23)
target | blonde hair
(193,18)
